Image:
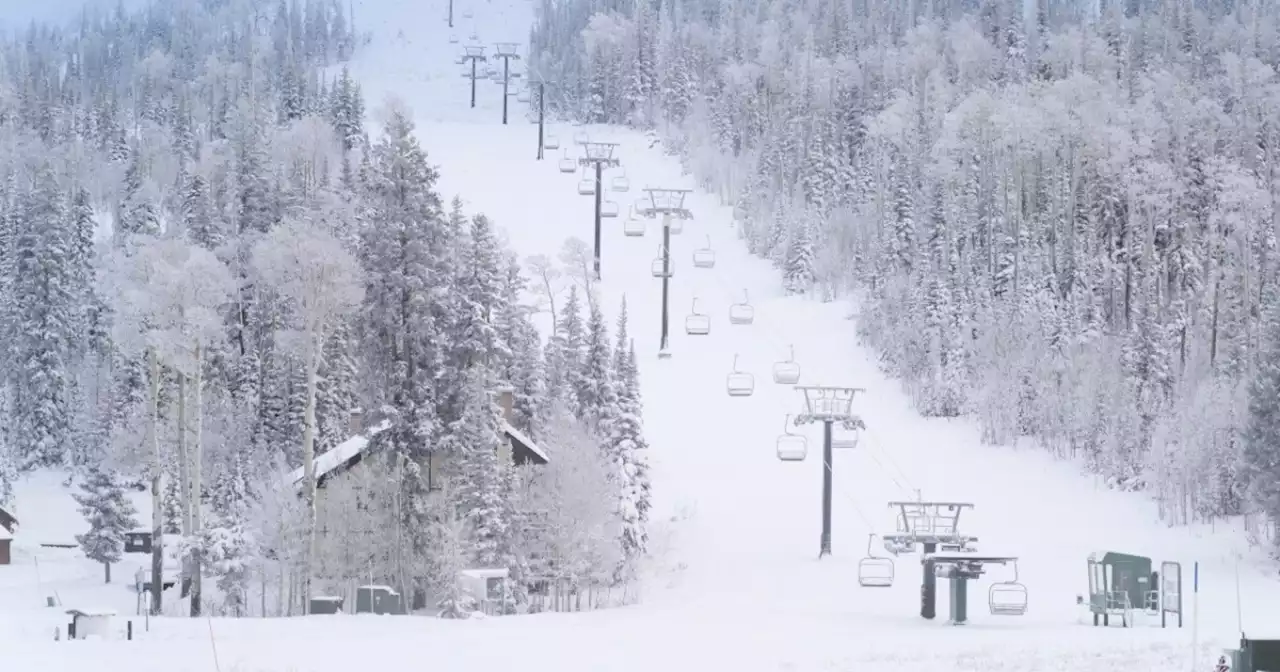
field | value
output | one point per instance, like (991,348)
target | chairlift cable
(852,502)
(886,471)
(877,446)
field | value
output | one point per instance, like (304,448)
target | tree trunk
(309,467)
(184,479)
(106,566)
(195,481)
(157,483)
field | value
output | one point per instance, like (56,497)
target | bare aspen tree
(311,268)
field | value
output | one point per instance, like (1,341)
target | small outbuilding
(8,525)
(86,623)
(378,600)
(6,544)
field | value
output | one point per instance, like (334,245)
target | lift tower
(934,527)
(542,116)
(828,405)
(599,155)
(475,54)
(506,51)
(668,203)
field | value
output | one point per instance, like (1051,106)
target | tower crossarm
(922,518)
(829,404)
(666,202)
(599,153)
(507,50)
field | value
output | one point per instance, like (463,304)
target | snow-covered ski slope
(751,540)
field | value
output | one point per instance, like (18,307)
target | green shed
(1118,581)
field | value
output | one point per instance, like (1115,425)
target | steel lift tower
(599,155)
(542,117)
(828,405)
(506,51)
(667,203)
(475,54)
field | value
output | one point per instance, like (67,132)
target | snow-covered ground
(740,586)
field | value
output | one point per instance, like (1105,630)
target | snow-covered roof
(338,455)
(524,440)
(92,611)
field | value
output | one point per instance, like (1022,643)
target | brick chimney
(506,400)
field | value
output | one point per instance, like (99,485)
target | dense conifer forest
(1059,218)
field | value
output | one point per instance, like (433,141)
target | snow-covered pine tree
(798,274)
(448,558)
(348,110)
(45,326)
(595,390)
(172,501)
(481,287)
(137,212)
(109,514)
(197,216)
(228,546)
(404,285)
(567,353)
(518,540)
(477,484)
(627,450)
(336,396)
(522,357)
(1262,428)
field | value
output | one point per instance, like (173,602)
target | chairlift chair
(740,383)
(453,39)
(608,209)
(704,257)
(697,324)
(676,226)
(791,447)
(634,226)
(474,36)
(587,187)
(1008,598)
(522,97)
(552,142)
(620,183)
(843,439)
(874,571)
(581,137)
(742,313)
(662,266)
(467,14)
(787,372)
(567,164)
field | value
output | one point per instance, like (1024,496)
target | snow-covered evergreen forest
(1060,219)
(209,266)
